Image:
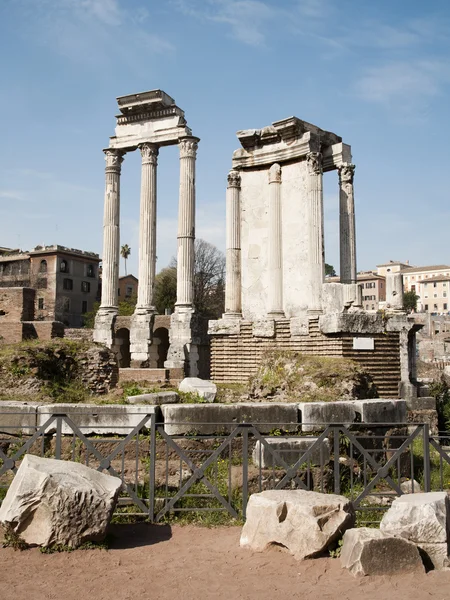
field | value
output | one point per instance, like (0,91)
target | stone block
(436,555)
(18,418)
(151,375)
(264,328)
(299,326)
(226,326)
(306,523)
(54,502)
(410,487)
(315,416)
(155,399)
(204,388)
(368,551)
(99,419)
(421,403)
(380,410)
(205,419)
(420,518)
(291,449)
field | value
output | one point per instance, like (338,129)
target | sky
(375,73)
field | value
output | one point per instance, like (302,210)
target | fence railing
(165,475)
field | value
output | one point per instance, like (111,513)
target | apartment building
(373,289)
(66,280)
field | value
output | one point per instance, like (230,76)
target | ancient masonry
(276,293)
(149,121)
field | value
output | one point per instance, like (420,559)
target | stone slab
(316,415)
(368,551)
(158,375)
(421,403)
(291,449)
(180,419)
(99,419)
(202,387)
(18,417)
(155,399)
(381,410)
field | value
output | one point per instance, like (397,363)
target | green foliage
(127,306)
(55,548)
(410,301)
(191,398)
(125,252)
(165,294)
(329,270)
(89,317)
(13,540)
(336,552)
(441,391)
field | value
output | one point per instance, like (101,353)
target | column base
(183,352)
(105,320)
(276,314)
(232,315)
(141,337)
(314,312)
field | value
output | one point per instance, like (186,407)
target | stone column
(275,249)
(147,229)
(347,233)
(183,352)
(315,218)
(186,224)
(142,321)
(233,301)
(107,312)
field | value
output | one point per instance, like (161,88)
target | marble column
(147,229)
(275,299)
(186,225)
(315,230)
(107,312)
(233,301)
(347,233)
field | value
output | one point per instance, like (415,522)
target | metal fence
(165,474)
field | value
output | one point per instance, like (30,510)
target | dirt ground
(161,562)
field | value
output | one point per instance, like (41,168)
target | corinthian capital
(314,162)
(114,158)
(275,173)
(234,179)
(346,173)
(149,153)
(188,147)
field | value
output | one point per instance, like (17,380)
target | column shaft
(147,229)
(233,306)
(316,247)
(347,233)
(275,244)
(186,223)
(111,230)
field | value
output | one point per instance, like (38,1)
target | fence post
(58,437)
(151,484)
(244,470)
(337,475)
(426,458)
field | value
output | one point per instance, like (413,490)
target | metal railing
(164,475)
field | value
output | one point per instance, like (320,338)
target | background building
(65,280)
(373,289)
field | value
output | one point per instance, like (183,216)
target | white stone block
(155,399)
(291,449)
(380,410)
(18,418)
(204,388)
(315,416)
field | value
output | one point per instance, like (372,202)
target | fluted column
(233,303)
(111,230)
(147,229)
(347,233)
(275,244)
(315,221)
(186,224)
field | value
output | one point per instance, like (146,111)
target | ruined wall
(234,358)
(16,304)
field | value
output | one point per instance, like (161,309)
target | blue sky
(376,73)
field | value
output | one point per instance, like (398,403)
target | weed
(13,540)
(336,552)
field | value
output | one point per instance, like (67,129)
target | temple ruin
(149,121)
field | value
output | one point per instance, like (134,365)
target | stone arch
(122,347)
(161,341)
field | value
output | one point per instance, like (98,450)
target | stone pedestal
(104,321)
(394,292)
(233,305)
(347,223)
(315,230)
(275,299)
(142,321)
(183,352)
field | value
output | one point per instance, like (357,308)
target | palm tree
(125,252)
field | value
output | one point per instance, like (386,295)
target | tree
(329,270)
(410,301)
(125,252)
(209,282)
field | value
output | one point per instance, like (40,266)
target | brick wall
(16,304)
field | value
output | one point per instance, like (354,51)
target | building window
(43,266)
(434,295)
(413,288)
(445,306)
(435,306)
(84,306)
(373,307)
(434,284)
(64,266)
(426,306)
(129,291)
(444,294)
(85,286)
(90,271)
(67,284)
(118,292)
(41,303)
